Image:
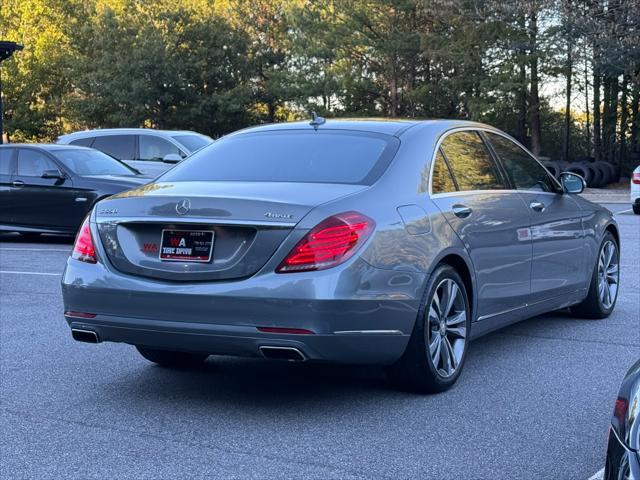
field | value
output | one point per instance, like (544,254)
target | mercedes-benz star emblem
(183,206)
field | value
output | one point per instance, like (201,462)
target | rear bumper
(359,314)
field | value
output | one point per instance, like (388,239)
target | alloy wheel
(446,327)
(608,274)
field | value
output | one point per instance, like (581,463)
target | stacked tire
(596,174)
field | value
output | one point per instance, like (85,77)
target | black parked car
(623,453)
(51,188)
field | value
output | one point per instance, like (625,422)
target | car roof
(48,147)
(394,126)
(128,131)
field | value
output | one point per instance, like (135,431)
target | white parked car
(152,152)
(635,190)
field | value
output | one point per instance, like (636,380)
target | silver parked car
(376,242)
(151,152)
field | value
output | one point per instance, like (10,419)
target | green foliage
(218,66)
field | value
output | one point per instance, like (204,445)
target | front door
(491,220)
(559,264)
(7,206)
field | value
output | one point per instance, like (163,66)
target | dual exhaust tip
(291,354)
(86,336)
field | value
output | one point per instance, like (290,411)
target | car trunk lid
(248,221)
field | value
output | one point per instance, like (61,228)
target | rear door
(6,172)
(41,202)
(559,264)
(491,220)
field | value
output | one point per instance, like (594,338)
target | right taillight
(83,249)
(635,178)
(330,243)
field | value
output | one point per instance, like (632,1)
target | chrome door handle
(461,211)
(537,206)
(17,183)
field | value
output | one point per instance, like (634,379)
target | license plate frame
(203,251)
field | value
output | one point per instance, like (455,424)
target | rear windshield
(290,156)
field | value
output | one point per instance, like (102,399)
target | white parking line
(616,213)
(67,250)
(597,475)
(30,273)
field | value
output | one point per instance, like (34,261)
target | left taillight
(636,178)
(330,243)
(83,249)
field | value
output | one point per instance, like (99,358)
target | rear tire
(636,208)
(441,332)
(605,282)
(170,359)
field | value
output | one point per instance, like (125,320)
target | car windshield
(91,162)
(329,156)
(193,142)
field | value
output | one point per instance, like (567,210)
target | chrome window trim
(490,130)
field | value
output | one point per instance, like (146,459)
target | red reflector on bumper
(290,331)
(79,314)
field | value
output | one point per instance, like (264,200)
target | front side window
(5,160)
(471,164)
(155,148)
(325,156)
(441,180)
(32,163)
(121,147)
(525,172)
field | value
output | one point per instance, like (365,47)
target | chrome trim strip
(201,220)
(368,332)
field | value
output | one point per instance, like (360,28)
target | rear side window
(525,172)
(121,147)
(5,161)
(82,142)
(327,156)
(471,163)
(156,148)
(441,181)
(32,163)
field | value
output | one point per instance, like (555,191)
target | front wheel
(437,349)
(167,358)
(605,281)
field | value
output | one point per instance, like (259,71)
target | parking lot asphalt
(534,400)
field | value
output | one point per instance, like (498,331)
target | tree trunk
(586,102)
(567,114)
(534,97)
(597,121)
(624,118)
(635,115)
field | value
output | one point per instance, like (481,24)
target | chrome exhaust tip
(282,353)
(86,336)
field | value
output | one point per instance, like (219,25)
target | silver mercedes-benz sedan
(376,242)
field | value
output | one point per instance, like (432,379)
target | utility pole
(6,51)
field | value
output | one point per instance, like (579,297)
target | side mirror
(572,182)
(57,174)
(172,158)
